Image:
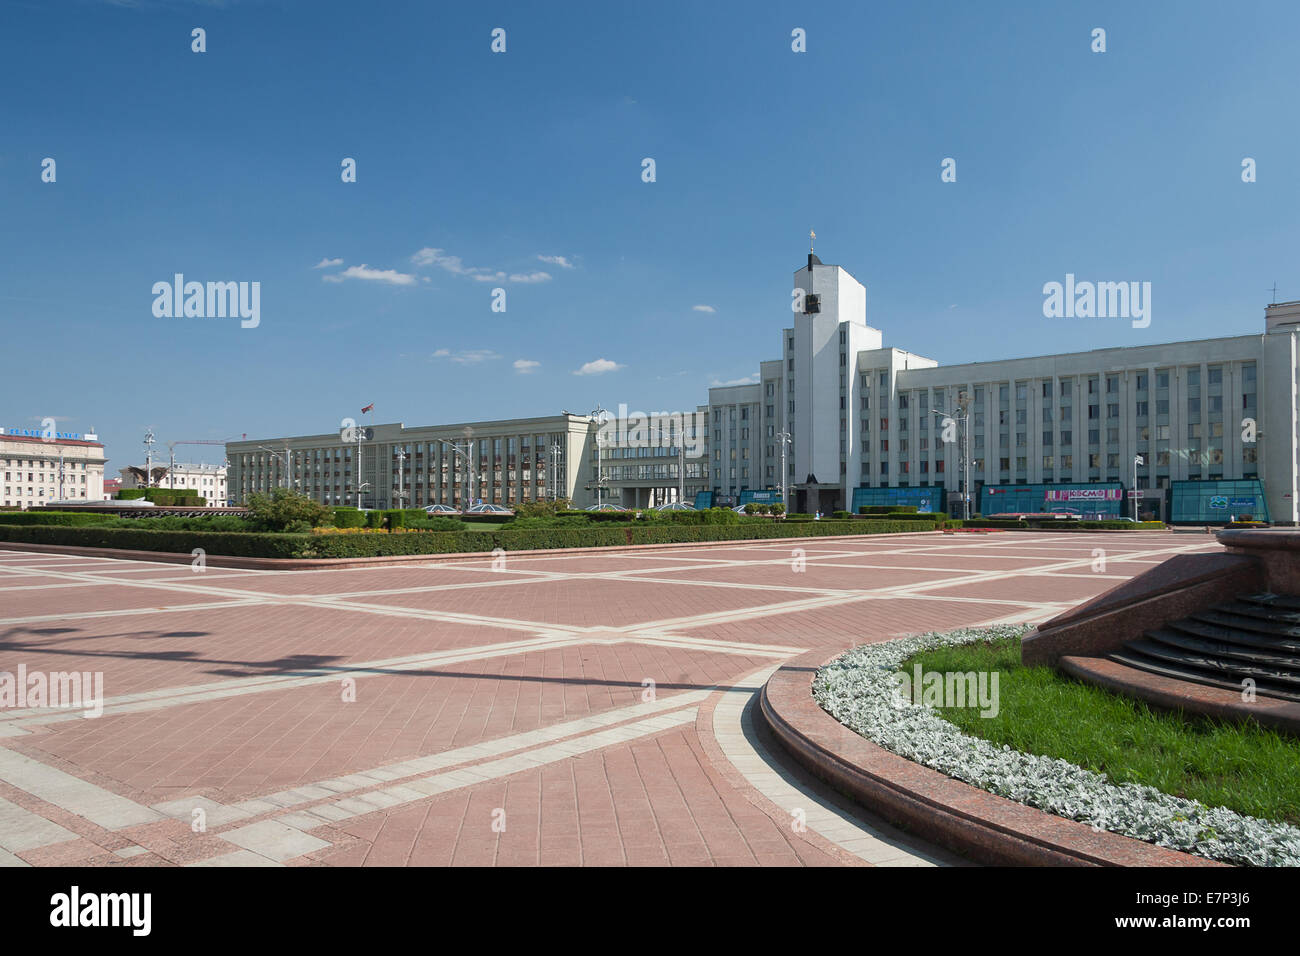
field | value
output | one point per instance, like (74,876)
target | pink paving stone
(617,602)
(657,800)
(814,574)
(245,746)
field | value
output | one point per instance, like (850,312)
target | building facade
(869,424)
(389,466)
(1186,431)
(40,467)
(209,481)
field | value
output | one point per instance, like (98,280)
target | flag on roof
(368,408)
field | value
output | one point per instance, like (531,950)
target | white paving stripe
(102,807)
(733,729)
(413,790)
(415,766)
(16,722)
(20,829)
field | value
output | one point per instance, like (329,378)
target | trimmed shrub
(374,519)
(77,519)
(291,545)
(345,517)
(798,516)
(130,494)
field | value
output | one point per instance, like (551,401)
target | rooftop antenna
(811,236)
(1274,291)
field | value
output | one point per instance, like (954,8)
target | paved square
(568,710)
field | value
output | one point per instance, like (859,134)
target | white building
(870,424)
(40,467)
(1194,431)
(208,481)
(498,462)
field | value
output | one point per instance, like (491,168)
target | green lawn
(1239,766)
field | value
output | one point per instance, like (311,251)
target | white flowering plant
(860,690)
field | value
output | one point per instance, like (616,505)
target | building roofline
(1056,355)
(53,441)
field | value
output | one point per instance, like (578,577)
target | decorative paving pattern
(569,710)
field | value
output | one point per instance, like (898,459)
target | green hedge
(233,543)
(1065,525)
(130,494)
(345,517)
(282,545)
(67,518)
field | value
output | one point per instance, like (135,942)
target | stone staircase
(1254,636)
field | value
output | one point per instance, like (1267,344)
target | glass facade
(1094,500)
(1215,502)
(925,499)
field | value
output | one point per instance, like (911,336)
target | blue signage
(40,433)
(1242,502)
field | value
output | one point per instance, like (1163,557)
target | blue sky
(225,166)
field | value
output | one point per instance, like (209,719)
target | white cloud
(328,263)
(524,366)
(561,261)
(363,271)
(704,308)
(598,367)
(467,356)
(428,256)
(748,380)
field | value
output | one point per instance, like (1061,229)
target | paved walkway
(588,710)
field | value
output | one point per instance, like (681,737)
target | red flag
(368,408)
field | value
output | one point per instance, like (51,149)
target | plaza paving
(461,713)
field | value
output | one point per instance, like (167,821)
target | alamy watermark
(1098,300)
(685,430)
(66,689)
(212,300)
(949,689)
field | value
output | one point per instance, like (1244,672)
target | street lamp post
(784,438)
(963,456)
(599,416)
(1137,460)
(470,468)
(554,471)
(401,465)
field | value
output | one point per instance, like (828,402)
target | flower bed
(859,690)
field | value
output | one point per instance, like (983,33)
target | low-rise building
(41,466)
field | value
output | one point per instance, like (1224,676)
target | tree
(541,509)
(284,508)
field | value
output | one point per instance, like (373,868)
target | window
(1215,375)
(902,401)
